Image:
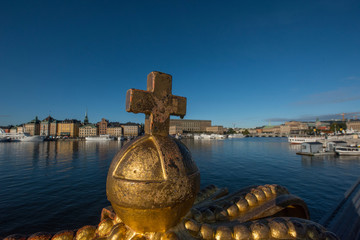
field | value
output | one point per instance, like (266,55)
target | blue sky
(237,62)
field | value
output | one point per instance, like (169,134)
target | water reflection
(295,147)
(52,186)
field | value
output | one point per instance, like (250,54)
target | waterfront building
(188,125)
(252,131)
(114,129)
(32,127)
(294,127)
(354,125)
(53,128)
(13,130)
(215,129)
(19,129)
(173,130)
(88,130)
(103,126)
(68,128)
(45,126)
(131,129)
(6,129)
(271,129)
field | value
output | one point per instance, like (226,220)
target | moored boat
(21,137)
(236,135)
(300,140)
(348,151)
(4,139)
(104,137)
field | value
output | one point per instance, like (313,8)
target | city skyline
(244,63)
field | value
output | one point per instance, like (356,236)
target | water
(52,186)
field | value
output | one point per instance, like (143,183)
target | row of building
(74,128)
(295,127)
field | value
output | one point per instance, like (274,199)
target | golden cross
(157,103)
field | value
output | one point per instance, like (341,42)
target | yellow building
(68,128)
(131,130)
(187,125)
(53,128)
(88,130)
(45,126)
(215,129)
(173,130)
(33,127)
(114,129)
(271,129)
(354,125)
(294,127)
(20,129)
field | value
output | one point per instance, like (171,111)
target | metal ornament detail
(152,182)
(157,103)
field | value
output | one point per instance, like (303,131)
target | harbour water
(52,186)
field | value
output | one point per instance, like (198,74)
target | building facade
(354,125)
(68,128)
(103,126)
(114,129)
(131,129)
(33,127)
(53,128)
(187,125)
(13,130)
(215,129)
(271,129)
(173,130)
(294,127)
(20,129)
(45,126)
(88,130)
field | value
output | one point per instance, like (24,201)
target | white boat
(104,137)
(209,136)
(20,137)
(236,135)
(197,137)
(217,136)
(4,139)
(300,140)
(348,151)
(24,137)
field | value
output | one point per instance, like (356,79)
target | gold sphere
(152,183)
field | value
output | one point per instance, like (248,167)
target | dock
(344,219)
(316,154)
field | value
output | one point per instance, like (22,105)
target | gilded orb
(152,183)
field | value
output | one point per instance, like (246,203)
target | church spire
(86,120)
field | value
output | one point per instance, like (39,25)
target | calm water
(53,186)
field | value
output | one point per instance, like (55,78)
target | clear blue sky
(237,62)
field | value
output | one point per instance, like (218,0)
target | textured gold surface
(152,182)
(157,102)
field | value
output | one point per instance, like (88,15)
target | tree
(246,132)
(230,131)
(337,126)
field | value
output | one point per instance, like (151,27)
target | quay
(344,219)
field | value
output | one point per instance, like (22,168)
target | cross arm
(139,101)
